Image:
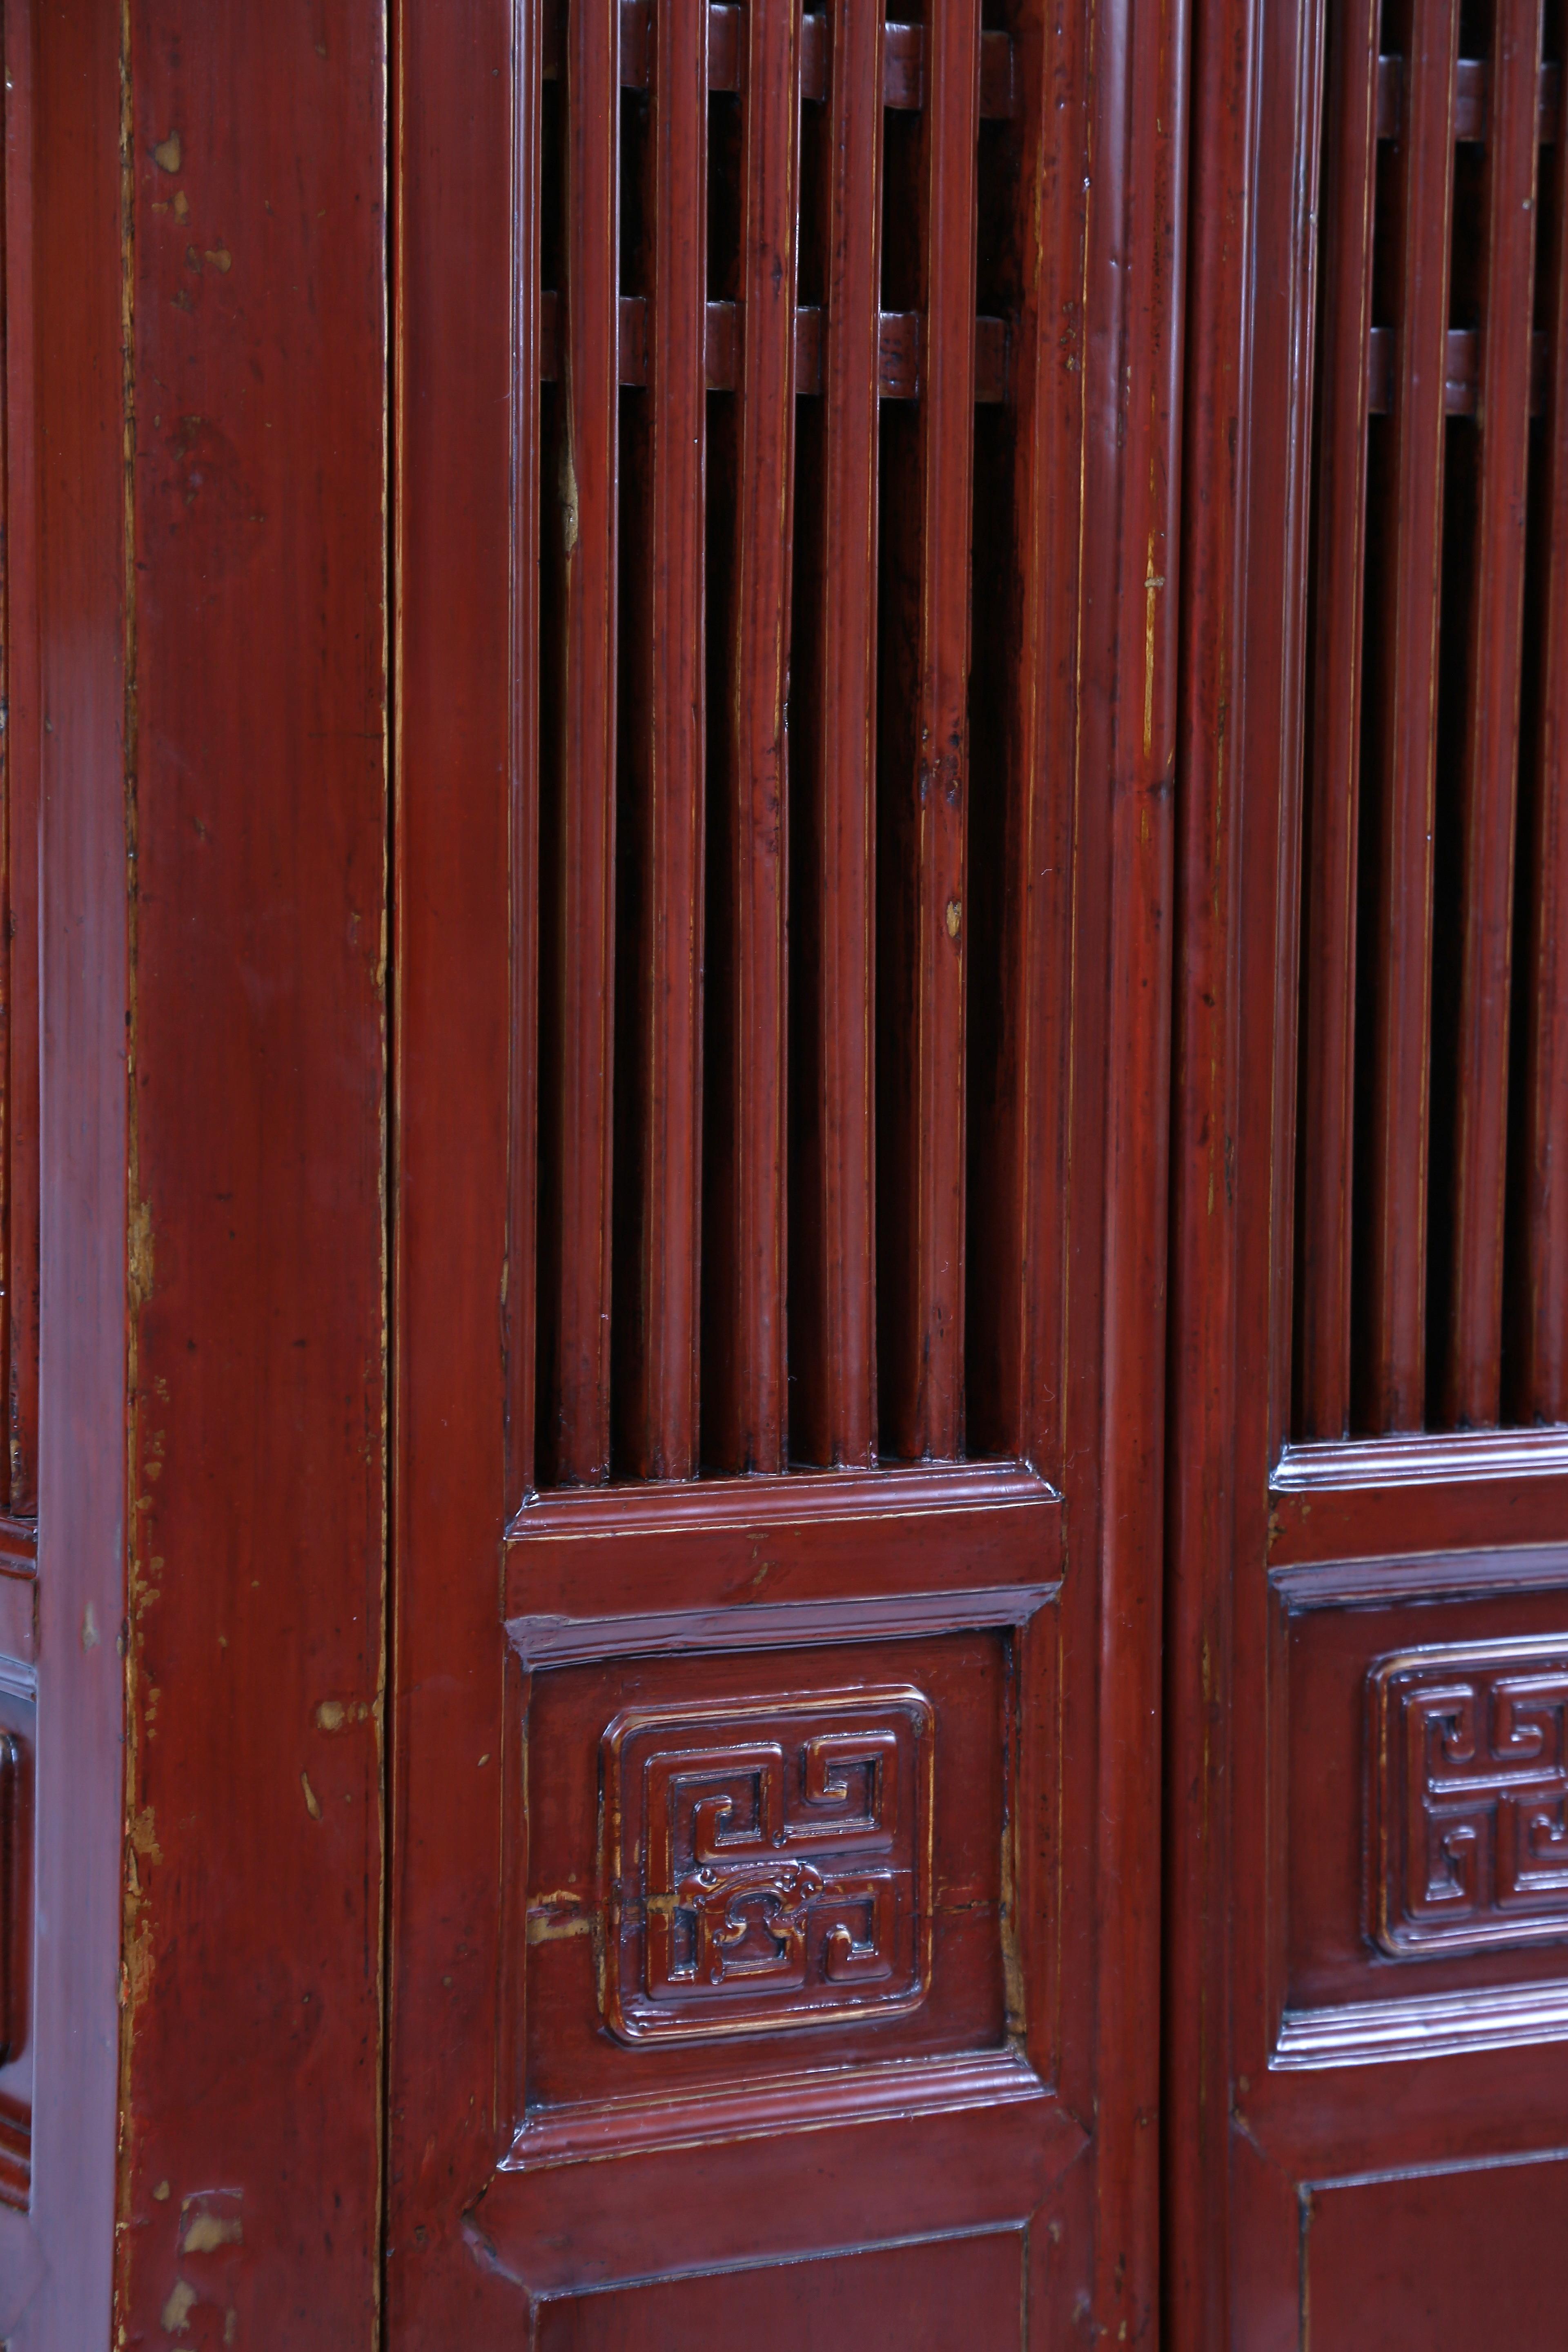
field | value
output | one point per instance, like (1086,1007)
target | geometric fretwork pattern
(766,1863)
(1467,1797)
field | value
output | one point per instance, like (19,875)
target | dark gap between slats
(1523,1401)
(992,1198)
(629,1338)
(1466,299)
(898,702)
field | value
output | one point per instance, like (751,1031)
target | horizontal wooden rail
(903,71)
(1461,372)
(1469,99)
(899,351)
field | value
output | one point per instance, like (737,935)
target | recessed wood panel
(1467,2256)
(1426,1802)
(764,1866)
(949,2293)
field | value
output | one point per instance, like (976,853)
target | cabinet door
(1369,1748)
(784,460)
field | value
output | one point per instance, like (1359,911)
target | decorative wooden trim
(757,2110)
(1421,1457)
(1421,1576)
(795,1498)
(1375,2032)
(543,1641)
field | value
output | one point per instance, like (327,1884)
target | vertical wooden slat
(1333,749)
(1471,1384)
(924,1414)
(834,1405)
(520,1325)
(665,1407)
(1543,1374)
(1392,1369)
(749,1408)
(578,1419)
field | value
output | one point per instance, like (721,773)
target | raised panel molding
(767,1864)
(1467,1797)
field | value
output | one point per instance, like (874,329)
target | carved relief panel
(1467,1796)
(766,1863)
(781,1865)
(1427,1814)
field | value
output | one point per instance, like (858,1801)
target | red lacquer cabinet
(784,1282)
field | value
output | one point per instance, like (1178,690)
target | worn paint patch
(204,2233)
(166,154)
(312,1803)
(177,2311)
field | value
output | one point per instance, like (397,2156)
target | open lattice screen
(777,973)
(1432,1205)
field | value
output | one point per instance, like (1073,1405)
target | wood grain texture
(746,1390)
(1391,1359)
(467,565)
(1471,1348)
(254,1180)
(833,1302)
(575,1301)
(665,1334)
(1541,1312)
(1322,1336)
(922,1370)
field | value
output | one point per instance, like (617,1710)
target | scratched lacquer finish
(1367,1776)
(780,865)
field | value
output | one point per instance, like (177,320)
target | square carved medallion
(766,1863)
(1467,1796)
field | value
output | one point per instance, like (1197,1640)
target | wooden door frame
(456,354)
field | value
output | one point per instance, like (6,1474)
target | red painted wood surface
(253,1178)
(855,413)
(1351,2088)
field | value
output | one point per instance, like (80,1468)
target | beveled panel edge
(1384,1582)
(1432,2026)
(793,1498)
(1420,1457)
(556,1641)
(601,2129)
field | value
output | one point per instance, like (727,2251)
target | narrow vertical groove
(1334,720)
(518,1320)
(925,1413)
(666,1405)
(746,1383)
(1542,1392)
(1471,1387)
(577,1325)
(836,1404)
(1393,1366)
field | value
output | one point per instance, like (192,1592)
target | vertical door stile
(522,1142)
(926,1415)
(1473,1351)
(1542,1380)
(1334,712)
(23,719)
(1397,1140)
(748,1412)
(836,1293)
(665,1408)
(578,1324)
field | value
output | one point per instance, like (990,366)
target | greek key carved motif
(1467,1797)
(766,1863)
